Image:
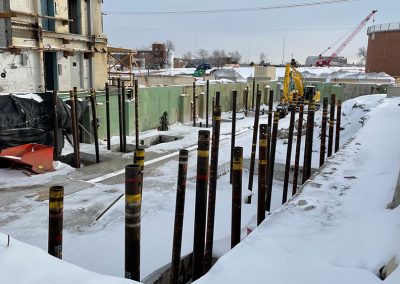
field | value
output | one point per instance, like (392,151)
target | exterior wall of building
(81,58)
(383,50)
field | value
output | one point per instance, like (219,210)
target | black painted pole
(136,114)
(207,100)
(75,140)
(254,146)
(55,125)
(212,187)
(200,204)
(253,94)
(138,159)
(271,161)
(338,122)
(309,144)
(75,101)
(94,124)
(179,213)
(236,195)
(233,132)
(262,173)
(194,104)
(108,125)
(121,142)
(298,146)
(331,125)
(246,101)
(289,149)
(133,203)
(56,204)
(123,99)
(270,114)
(322,150)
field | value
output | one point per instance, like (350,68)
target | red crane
(327,62)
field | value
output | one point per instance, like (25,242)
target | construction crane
(326,62)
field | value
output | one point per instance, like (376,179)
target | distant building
(383,49)
(156,56)
(48,44)
(337,61)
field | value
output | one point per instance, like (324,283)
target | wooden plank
(7,14)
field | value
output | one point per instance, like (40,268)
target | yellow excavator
(306,92)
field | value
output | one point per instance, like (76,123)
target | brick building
(383,53)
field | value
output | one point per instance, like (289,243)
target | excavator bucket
(36,156)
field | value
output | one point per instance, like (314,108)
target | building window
(74,14)
(48,9)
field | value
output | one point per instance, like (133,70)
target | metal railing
(384,27)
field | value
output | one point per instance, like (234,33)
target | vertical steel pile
(194,104)
(108,125)
(270,114)
(298,146)
(133,203)
(338,122)
(121,142)
(94,124)
(253,94)
(201,204)
(289,149)
(212,185)
(262,173)
(322,150)
(207,100)
(179,213)
(271,161)
(123,98)
(136,114)
(236,196)
(331,125)
(138,159)
(309,142)
(233,136)
(254,145)
(246,101)
(55,125)
(56,205)
(74,130)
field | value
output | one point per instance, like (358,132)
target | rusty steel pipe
(75,139)
(108,125)
(94,124)
(233,131)
(136,114)
(254,145)
(331,124)
(56,130)
(289,149)
(298,146)
(207,100)
(133,203)
(308,147)
(200,204)
(56,205)
(194,104)
(123,99)
(179,213)
(262,173)
(212,187)
(338,122)
(120,124)
(236,196)
(271,161)
(322,150)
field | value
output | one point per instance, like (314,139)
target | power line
(227,30)
(223,11)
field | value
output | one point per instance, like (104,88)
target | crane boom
(327,62)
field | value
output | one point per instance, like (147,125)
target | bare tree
(262,58)
(202,54)
(219,57)
(235,56)
(169,46)
(362,54)
(188,57)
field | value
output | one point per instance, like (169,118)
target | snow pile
(24,264)
(338,229)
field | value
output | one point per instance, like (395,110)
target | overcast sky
(305,30)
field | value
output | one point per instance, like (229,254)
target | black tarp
(29,119)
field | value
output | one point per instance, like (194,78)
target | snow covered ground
(288,234)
